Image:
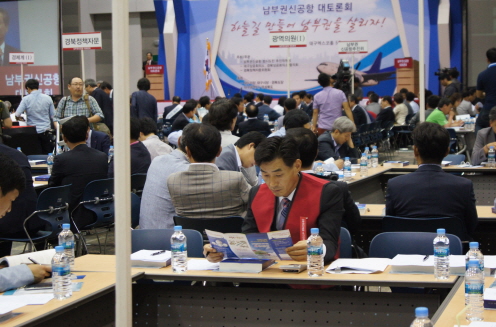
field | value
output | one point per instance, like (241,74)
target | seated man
(337,143)
(265,109)
(79,166)
(289,104)
(386,115)
(148,130)
(188,111)
(293,119)
(438,116)
(253,123)
(241,156)
(12,183)
(204,191)
(429,191)
(360,116)
(285,197)
(486,138)
(431,104)
(98,140)
(401,110)
(308,146)
(140,157)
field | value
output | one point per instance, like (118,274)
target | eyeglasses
(77,84)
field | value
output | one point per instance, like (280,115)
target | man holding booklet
(12,183)
(289,199)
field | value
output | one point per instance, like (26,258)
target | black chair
(138,183)
(160,239)
(345,246)
(135,210)
(224,225)
(37,157)
(453,140)
(24,137)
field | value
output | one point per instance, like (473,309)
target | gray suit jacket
(484,136)
(228,161)
(205,192)
(157,210)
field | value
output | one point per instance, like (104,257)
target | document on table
(479,324)
(421,264)
(358,266)
(199,264)
(12,302)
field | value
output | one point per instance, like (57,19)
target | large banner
(245,61)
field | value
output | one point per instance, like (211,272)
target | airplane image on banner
(367,78)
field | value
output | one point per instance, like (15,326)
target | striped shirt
(77,108)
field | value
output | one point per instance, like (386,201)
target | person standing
(143,104)
(103,100)
(149,60)
(486,88)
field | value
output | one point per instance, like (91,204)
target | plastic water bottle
(59,150)
(347,169)
(491,162)
(61,272)
(266,118)
(364,170)
(179,250)
(50,163)
(276,125)
(315,254)
(421,318)
(111,153)
(475,254)
(474,291)
(369,156)
(19,149)
(441,255)
(375,157)
(319,169)
(66,239)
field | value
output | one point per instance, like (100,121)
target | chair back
(138,183)
(103,189)
(160,239)
(37,156)
(400,224)
(135,210)
(54,197)
(345,246)
(224,225)
(455,159)
(390,244)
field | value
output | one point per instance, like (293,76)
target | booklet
(358,266)
(271,245)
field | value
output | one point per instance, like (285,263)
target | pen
(33,261)
(426,257)
(157,253)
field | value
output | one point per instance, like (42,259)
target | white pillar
(421,60)
(122,168)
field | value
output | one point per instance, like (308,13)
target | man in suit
(241,118)
(289,104)
(149,60)
(308,100)
(387,114)
(293,119)
(486,137)
(98,140)
(187,112)
(248,98)
(103,100)
(266,110)
(140,157)
(171,112)
(285,197)
(143,104)
(360,116)
(429,191)
(337,143)
(259,100)
(5,49)
(204,191)
(241,156)
(78,167)
(253,123)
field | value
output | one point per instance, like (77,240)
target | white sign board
(351,47)
(21,58)
(296,39)
(82,41)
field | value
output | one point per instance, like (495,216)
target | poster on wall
(246,62)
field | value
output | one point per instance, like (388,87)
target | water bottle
(19,149)
(319,169)
(491,157)
(475,254)
(50,163)
(347,169)
(375,157)
(315,254)
(369,157)
(66,239)
(276,125)
(179,250)
(441,255)
(59,150)
(61,275)
(364,170)
(111,153)
(266,118)
(474,291)
(421,318)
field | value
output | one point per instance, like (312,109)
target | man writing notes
(285,197)
(486,138)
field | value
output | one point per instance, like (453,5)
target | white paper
(12,302)
(490,261)
(199,264)
(329,161)
(490,294)
(358,266)
(418,260)
(146,255)
(479,324)
(42,257)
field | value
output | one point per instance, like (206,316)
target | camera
(343,77)
(453,72)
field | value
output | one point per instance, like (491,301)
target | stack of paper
(202,264)
(419,264)
(358,266)
(151,258)
(42,257)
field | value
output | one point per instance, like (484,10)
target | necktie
(284,213)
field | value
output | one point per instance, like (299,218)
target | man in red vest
(288,195)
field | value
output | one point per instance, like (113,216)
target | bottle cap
(421,312)
(473,263)
(66,226)
(364,155)
(314,230)
(491,147)
(367,148)
(176,228)
(111,146)
(346,158)
(374,147)
(49,154)
(59,248)
(474,245)
(441,231)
